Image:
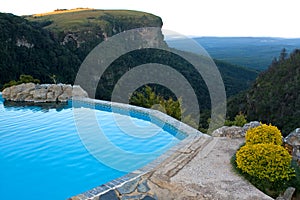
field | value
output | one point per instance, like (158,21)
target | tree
(53,78)
(283,55)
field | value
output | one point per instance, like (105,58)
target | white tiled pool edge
(180,126)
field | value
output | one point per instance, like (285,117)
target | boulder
(43,93)
(288,194)
(234,131)
(252,124)
(293,138)
(18,92)
(66,93)
(78,92)
(6,92)
(229,131)
(40,95)
(293,141)
(55,91)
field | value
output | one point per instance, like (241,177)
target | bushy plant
(265,161)
(264,134)
(149,99)
(23,79)
(239,120)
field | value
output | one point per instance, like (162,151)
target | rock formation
(229,131)
(288,194)
(31,92)
(234,131)
(292,141)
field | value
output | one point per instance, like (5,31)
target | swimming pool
(43,156)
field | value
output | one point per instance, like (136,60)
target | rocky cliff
(36,93)
(56,43)
(81,29)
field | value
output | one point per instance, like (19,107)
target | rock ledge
(30,92)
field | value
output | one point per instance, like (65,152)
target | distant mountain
(56,43)
(252,52)
(274,97)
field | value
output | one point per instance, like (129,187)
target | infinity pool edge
(190,133)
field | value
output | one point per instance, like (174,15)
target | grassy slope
(72,20)
(80,30)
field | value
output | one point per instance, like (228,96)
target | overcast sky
(277,18)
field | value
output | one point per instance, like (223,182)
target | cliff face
(80,30)
(56,43)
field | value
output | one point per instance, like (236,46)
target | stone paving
(199,170)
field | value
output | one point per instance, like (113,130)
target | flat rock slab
(111,195)
(129,187)
(210,174)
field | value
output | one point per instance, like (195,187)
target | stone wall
(30,92)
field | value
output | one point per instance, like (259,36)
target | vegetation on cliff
(27,48)
(51,45)
(274,97)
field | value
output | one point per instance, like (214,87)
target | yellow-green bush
(265,161)
(264,134)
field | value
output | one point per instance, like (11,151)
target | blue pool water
(42,156)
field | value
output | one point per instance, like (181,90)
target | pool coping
(189,132)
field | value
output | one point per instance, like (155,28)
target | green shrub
(266,162)
(10,83)
(264,134)
(27,79)
(239,120)
(22,79)
(149,99)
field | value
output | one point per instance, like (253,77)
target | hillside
(253,52)
(235,78)
(80,30)
(56,43)
(27,48)
(274,97)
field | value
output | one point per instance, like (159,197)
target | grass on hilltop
(71,20)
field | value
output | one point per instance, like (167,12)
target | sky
(254,18)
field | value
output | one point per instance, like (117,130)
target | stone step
(185,153)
